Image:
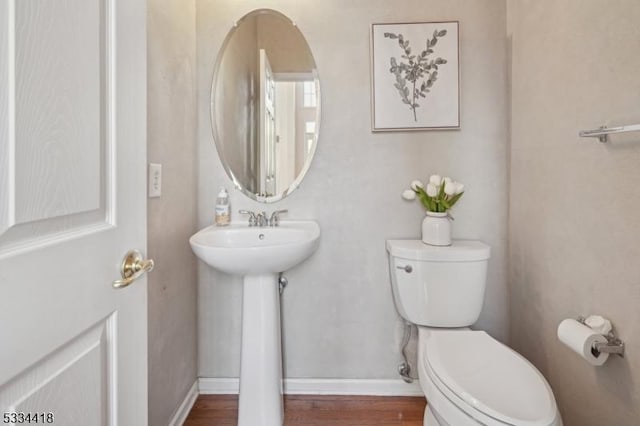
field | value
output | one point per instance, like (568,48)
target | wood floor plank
(216,402)
(317,410)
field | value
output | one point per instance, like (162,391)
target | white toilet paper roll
(580,339)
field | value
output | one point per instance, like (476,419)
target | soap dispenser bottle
(223,208)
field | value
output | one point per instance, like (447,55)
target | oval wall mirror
(265,105)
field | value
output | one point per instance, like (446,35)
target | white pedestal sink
(259,254)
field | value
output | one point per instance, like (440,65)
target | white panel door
(73,348)
(267,127)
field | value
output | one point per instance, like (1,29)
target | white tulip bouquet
(438,196)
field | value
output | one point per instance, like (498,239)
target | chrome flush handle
(408,269)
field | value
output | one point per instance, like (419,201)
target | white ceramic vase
(436,229)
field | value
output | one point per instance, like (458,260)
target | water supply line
(404,369)
(282,282)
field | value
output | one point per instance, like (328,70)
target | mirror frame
(214,130)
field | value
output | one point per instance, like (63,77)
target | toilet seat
(487,380)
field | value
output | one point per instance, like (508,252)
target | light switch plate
(155,180)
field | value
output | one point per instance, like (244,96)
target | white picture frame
(419,90)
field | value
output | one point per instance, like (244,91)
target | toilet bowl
(468,377)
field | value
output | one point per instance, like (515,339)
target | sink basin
(259,254)
(242,250)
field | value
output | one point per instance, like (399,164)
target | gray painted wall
(338,315)
(574,202)
(172,218)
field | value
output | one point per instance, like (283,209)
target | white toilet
(467,377)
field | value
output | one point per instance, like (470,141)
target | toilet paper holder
(613,345)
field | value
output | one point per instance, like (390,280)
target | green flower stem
(441,203)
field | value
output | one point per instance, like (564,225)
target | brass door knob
(133,267)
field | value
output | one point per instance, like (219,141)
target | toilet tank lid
(458,251)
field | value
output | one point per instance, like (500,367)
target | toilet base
(430,418)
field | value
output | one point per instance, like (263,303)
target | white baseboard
(209,385)
(218,386)
(183,411)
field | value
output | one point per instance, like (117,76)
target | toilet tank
(438,286)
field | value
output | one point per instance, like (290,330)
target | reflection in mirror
(265,105)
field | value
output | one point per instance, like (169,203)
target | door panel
(82,370)
(72,203)
(59,107)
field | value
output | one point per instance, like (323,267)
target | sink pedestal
(258,254)
(261,359)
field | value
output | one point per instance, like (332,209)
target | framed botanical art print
(415,76)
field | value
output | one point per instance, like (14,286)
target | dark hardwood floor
(315,410)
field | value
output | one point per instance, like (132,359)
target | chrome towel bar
(603,132)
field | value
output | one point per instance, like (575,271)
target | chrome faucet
(252,217)
(275,217)
(261,219)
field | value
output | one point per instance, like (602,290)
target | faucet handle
(275,217)
(252,217)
